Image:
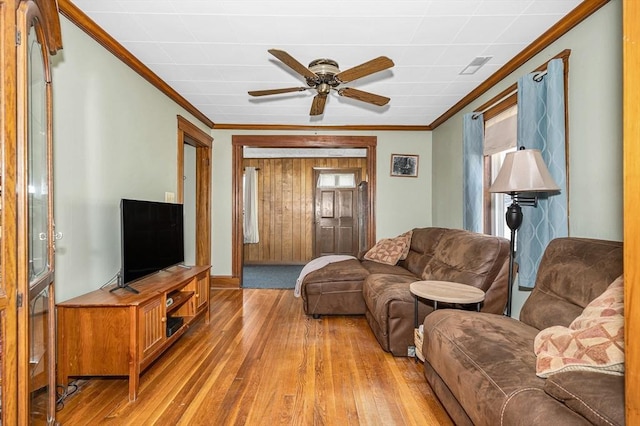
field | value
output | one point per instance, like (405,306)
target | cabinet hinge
(18,37)
(19,300)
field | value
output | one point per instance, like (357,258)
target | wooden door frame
(631,169)
(292,141)
(189,134)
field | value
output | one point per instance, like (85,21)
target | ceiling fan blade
(276,91)
(375,65)
(363,96)
(292,63)
(317,107)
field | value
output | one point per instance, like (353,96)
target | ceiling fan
(324,75)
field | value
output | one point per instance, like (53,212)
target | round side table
(441,291)
(446,292)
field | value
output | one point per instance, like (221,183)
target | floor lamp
(523,175)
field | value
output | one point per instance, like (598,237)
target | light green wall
(595,133)
(114,137)
(402,203)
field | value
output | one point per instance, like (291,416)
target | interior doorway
(239,142)
(189,134)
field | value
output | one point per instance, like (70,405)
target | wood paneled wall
(286,207)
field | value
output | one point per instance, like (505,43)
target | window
(500,134)
(498,202)
(337,180)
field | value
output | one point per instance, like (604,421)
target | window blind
(500,132)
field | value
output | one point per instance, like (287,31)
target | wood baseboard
(224,281)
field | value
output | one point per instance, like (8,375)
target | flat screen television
(152,238)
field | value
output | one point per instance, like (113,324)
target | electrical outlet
(169,197)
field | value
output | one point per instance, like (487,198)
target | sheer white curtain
(250,225)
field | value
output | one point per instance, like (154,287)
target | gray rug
(270,276)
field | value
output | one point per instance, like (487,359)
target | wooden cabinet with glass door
(30,33)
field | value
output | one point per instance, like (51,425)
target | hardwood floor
(261,361)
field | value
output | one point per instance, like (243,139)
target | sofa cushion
(423,245)
(572,272)
(379,289)
(391,310)
(594,341)
(597,397)
(468,258)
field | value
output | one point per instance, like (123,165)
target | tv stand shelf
(178,298)
(120,333)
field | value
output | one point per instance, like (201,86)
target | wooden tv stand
(120,333)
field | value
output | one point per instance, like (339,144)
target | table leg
(415,312)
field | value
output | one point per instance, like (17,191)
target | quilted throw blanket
(594,341)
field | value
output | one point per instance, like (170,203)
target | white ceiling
(213,52)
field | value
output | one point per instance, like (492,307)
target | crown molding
(224,126)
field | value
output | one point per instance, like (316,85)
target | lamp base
(514,220)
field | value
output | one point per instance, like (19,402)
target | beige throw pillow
(594,341)
(406,237)
(390,250)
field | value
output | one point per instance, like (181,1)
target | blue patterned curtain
(472,152)
(541,119)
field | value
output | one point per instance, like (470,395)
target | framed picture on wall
(404,165)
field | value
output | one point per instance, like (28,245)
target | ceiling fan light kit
(324,74)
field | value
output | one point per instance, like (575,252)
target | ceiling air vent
(475,65)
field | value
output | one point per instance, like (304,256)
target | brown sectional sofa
(381,291)
(483,367)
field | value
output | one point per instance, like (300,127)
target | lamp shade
(524,171)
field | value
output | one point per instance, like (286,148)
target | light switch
(169,197)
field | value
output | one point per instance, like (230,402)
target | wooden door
(336,212)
